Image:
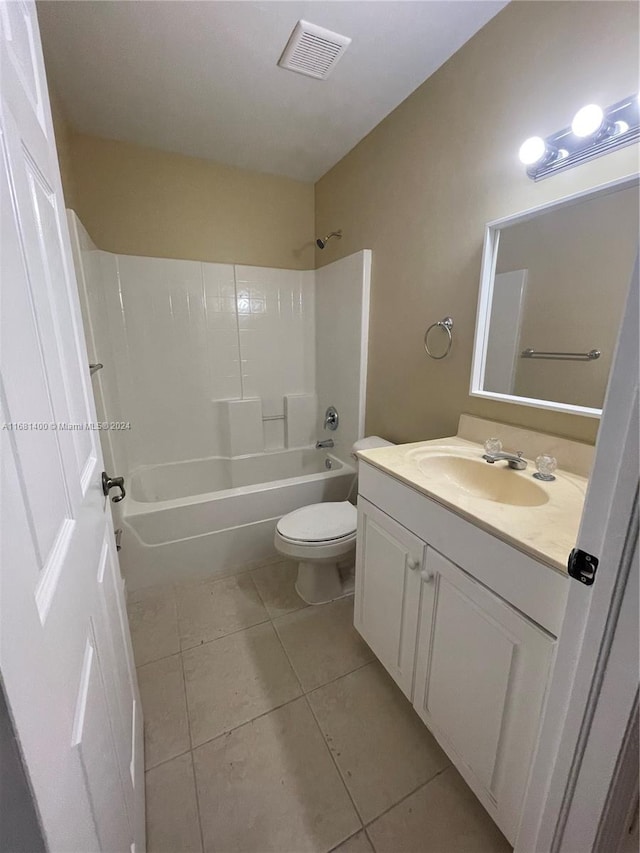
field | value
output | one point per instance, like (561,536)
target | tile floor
(271,728)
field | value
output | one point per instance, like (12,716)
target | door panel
(53,308)
(94,741)
(388,563)
(481,676)
(472,650)
(27,693)
(25,383)
(65,653)
(21,42)
(110,631)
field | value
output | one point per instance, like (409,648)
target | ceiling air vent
(313,51)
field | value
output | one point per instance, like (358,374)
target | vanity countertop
(544,525)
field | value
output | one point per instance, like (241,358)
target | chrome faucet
(515,460)
(328,442)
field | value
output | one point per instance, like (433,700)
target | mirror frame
(485,296)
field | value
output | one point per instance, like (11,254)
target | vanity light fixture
(594,131)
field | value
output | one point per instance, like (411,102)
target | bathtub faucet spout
(328,442)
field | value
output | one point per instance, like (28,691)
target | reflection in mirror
(553,292)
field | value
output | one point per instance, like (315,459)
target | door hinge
(582,566)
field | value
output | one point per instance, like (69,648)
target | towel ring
(447,324)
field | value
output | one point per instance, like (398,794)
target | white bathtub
(208,517)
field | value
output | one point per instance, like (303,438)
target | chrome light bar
(593,132)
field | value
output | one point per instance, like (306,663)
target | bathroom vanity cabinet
(466,625)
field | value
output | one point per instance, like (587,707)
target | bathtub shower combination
(222,371)
(211,516)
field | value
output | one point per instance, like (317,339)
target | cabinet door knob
(427,576)
(413,563)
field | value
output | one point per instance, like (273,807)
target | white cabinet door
(389,560)
(481,675)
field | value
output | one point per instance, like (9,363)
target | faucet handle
(331,418)
(546,465)
(492,446)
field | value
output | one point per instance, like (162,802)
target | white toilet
(322,537)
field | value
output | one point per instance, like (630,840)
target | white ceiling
(201,78)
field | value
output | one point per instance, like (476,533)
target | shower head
(321,242)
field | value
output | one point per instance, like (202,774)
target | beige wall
(420,187)
(141,201)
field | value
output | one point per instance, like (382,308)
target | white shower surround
(342,324)
(216,367)
(183,336)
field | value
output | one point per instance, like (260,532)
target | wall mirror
(553,287)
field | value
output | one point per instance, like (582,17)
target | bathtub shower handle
(113,483)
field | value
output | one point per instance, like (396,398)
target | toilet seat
(317,524)
(320,537)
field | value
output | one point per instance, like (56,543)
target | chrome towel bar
(562,356)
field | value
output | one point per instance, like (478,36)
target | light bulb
(532,150)
(587,121)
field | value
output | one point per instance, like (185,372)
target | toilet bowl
(322,538)
(319,537)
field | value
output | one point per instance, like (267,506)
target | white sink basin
(478,478)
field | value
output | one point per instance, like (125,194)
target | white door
(65,652)
(481,675)
(388,563)
(503,348)
(594,689)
